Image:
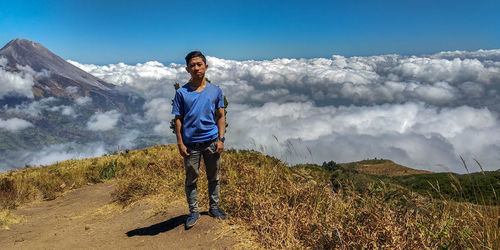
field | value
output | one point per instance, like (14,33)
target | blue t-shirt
(198,109)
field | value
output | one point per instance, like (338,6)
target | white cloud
(431,70)
(14,124)
(72,89)
(438,93)
(358,80)
(65,110)
(83,100)
(435,79)
(32,109)
(482,55)
(15,82)
(128,139)
(35,108)
(158,110)
(60,152)
(420,111)
(150,78)
(410,133)
(103,121)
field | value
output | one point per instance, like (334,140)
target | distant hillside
(382,167)
(304,206)
(479,188)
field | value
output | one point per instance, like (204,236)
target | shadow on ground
(159,227)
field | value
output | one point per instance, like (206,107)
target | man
(200,126)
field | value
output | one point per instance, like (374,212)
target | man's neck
(198,83)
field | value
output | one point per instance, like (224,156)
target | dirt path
(87,218)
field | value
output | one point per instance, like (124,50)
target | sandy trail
(87,218)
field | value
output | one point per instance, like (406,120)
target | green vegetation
(479,188)
(304,206)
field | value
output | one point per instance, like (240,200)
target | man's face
(197,67)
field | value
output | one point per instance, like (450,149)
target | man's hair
(194,54)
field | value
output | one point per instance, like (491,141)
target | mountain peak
(22,42)
(28,53)
(25,52)
(21,45)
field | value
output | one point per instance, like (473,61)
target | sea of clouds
(420,111)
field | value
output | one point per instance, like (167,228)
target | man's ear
(187,69)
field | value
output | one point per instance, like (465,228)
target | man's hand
(220,147)
(183,150)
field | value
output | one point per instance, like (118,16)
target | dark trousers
(192,166)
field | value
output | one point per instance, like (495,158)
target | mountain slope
(61,108)
(55,77)
(25,52)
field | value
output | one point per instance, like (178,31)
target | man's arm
(221,125)
(178,133)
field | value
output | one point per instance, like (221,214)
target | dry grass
(136,172)
(280,206)
(7,218)
(296,208)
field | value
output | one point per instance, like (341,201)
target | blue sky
(102,32)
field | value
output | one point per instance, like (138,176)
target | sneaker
(191,219)
(217,213)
